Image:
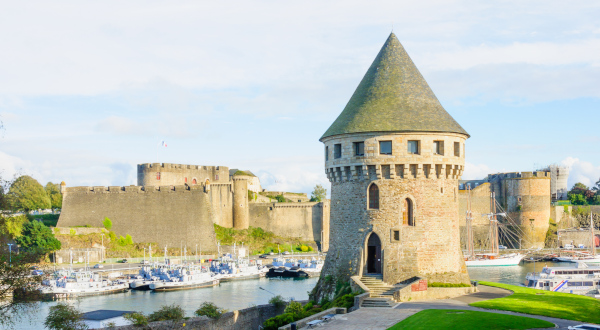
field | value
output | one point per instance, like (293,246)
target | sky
(89,89)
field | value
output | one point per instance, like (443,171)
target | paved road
(382,318)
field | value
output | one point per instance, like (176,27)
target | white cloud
(476,171)
(581,171)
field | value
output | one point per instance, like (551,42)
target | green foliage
(447,285)
(304,248)
(49,220)
(577,199)
(278,321)
(167,312)
(107,223)
(519,207)
(551,235)
(580,194)
(210,309)
(12,226)
(64,317)
(26,194)
(128,240)
(319,194)
(112,236)
(138,319)
(468,320)
(37,237)
(280,199)
(72,232)
(247,173)
(278,301)
(53,192)
(547,303)
(293,307)
(250,195)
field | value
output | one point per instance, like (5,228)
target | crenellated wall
(167,174)
(167,215)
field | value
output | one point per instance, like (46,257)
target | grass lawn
(554,304)
(466,320)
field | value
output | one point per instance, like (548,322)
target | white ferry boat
(68,284)
(183,278)
(581,279)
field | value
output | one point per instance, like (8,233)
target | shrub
(138,319)
(167,312)
(72,232)
(64,316)
(280,198)
(210,309)
(112,236)
(309,305)
(128,240)
(304,248)
(447,285)
(278,321)
(310,248)
(278,301)
(293,307)
(107,223)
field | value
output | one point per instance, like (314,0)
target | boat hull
(275,272)
(175,286)
(499,262)
(67,294)
(241,278)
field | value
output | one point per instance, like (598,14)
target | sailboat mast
(493,225)
(593,236)
(470,238)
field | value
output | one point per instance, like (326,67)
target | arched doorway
(374,254)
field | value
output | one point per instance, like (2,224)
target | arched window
(194,181)
(373,196)
(408,218)
(185,180)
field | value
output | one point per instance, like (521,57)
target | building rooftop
(104,314)
(393,96)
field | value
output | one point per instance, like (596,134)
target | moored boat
(580,279)
(184,278)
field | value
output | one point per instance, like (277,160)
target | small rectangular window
(337,151)
(413,147)
(216,177)
(385,147)
(157,175)
(396,235)
(438,147)
(359,148)
(457,149)
(326,153)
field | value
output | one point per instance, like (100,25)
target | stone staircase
(381,292)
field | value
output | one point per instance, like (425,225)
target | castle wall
(431,248)
(163,215)
(303,220)
(480,205)
(167,174)
(221,200)
(528,204)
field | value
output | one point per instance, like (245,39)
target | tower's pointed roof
(393,96)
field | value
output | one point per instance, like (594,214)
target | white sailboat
(592,258)
(494,258)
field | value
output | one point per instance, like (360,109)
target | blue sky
(89,89)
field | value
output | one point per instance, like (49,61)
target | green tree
(107,223)
(577,199)
(319,194)
(37,237)
(64,317)
(12,226)
(53,191)
(128,240)
(26,194)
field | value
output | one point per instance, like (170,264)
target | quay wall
(166,215)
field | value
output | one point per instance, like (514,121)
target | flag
(163,144)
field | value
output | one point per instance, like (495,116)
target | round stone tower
(241,212)
(394,157)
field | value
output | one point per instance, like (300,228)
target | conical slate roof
(393,96)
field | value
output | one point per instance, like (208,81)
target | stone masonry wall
(176,174)
(304,220)
(480,205)
(163,215)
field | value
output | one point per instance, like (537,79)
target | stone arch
(373,196)
(408,211)
(194,181)
(373,258)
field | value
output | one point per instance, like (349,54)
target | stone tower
(241,212)
(394,157)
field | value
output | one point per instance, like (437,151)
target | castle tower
(241,212)
(394,157)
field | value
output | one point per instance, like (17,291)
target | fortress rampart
(525,196)
(172,214)
(167,215)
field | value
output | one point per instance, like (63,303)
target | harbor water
(242,294)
